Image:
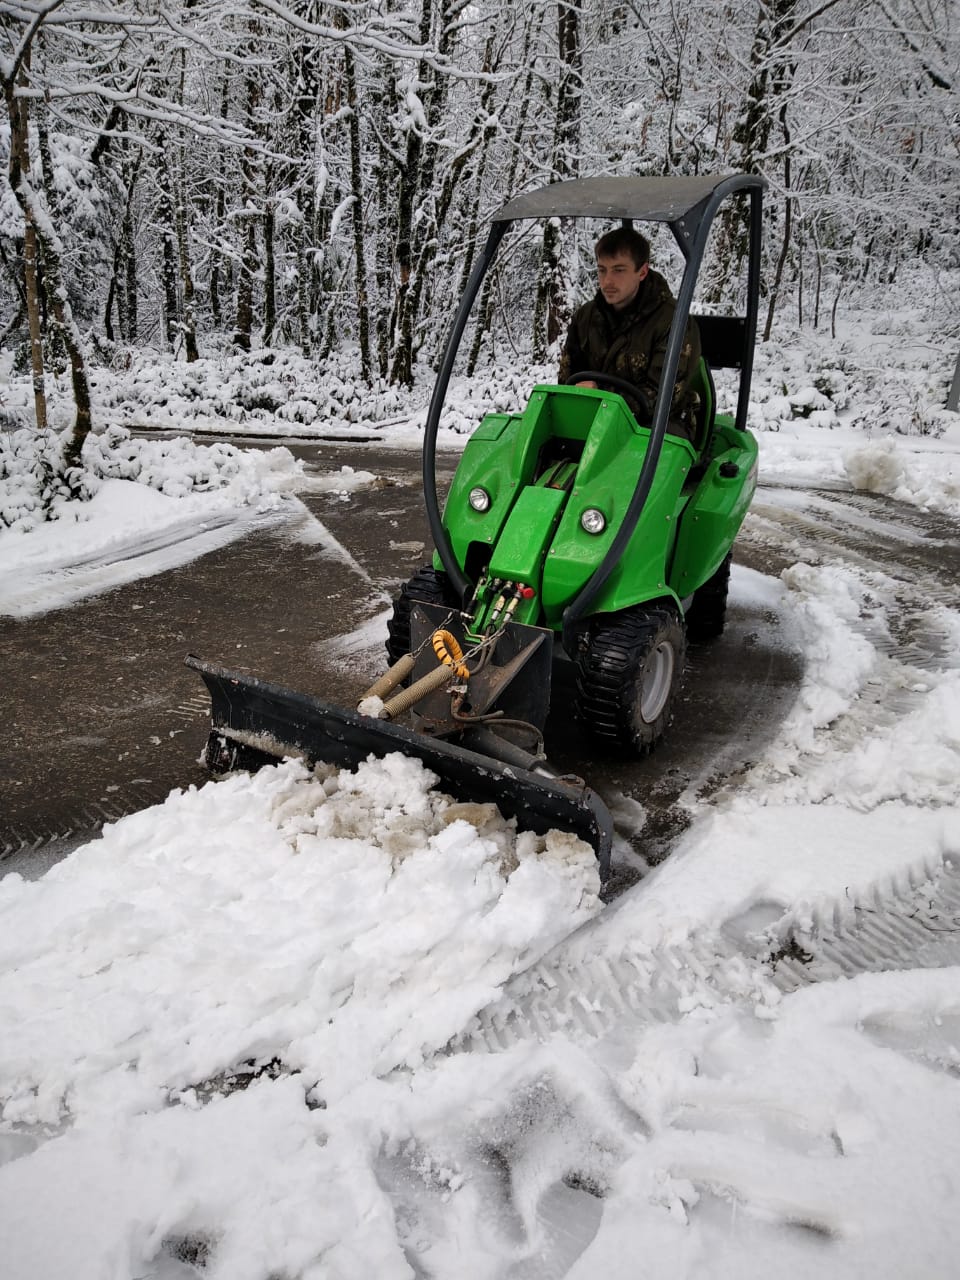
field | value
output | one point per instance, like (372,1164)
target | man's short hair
(624,240)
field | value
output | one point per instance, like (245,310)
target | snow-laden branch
(378,38)
(33,20)
(935,71)
(147,106)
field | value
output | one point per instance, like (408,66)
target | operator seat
(702,385)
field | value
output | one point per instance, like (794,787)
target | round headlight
(479,499)
(593,521)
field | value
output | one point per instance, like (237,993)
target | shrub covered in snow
(33,487)
(885,373)
(269,388)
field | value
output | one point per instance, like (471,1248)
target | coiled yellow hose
(449,653)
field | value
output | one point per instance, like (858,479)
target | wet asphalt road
(102,718)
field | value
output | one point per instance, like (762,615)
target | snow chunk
(878,467)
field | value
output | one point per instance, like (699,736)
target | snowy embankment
(147,506)
(226,1016)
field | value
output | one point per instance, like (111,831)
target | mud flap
(266,720)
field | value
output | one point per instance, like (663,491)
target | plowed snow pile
(330,927)
(344,925)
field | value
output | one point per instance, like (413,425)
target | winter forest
(205,175)
(325,1024)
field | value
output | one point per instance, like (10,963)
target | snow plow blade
(254,722)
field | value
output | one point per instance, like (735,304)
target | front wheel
(427,586)
(628,674)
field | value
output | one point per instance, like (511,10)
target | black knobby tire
(428,586)
(707,614)
(628,674)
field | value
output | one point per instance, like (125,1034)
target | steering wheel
(620,385)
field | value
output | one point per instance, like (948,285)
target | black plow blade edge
(278,722)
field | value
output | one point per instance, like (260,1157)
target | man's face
(619,278)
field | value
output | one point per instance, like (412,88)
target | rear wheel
(628,675)
(429,586)
(707,614)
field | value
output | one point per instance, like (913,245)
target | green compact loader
(572,531)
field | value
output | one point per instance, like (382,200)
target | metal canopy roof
(647,199)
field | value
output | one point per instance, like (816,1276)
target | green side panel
(712,518)
(608,484)
(525,537)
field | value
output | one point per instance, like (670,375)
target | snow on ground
(224,1022)
(349,926)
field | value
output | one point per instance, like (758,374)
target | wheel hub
(656,681)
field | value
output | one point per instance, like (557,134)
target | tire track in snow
(917,927)
(33,847)
(905,566)
(916,568)
(588,1000)
(906,926)
(863,532)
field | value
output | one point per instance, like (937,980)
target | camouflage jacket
(631,344)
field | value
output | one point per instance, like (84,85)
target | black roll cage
(688,205)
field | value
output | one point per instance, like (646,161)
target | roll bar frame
(689,207)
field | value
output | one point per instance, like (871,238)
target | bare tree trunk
(953,395)
(552,309)
(19,169)
(166,218)
(323,276)
(356,212)
(306,104)
(248,267)
(248,260)
(787,230)
(485,309)
(778,272)
(269,267)
(417,238)
(818,293)
(65,327)
(126,270)
(43,246)
(63,318)
(220,204)
(189,320)
(411,178)
(188,325)
(771,76)
(383,260)
(108,305)
(33,317)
